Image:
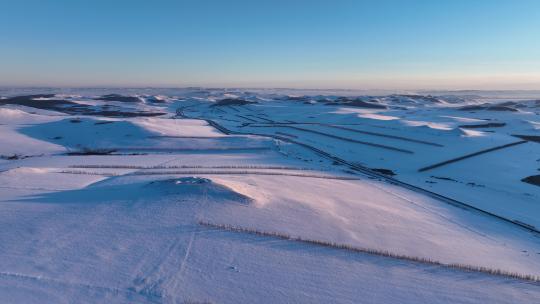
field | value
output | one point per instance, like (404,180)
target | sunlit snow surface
(100,200)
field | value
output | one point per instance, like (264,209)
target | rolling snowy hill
(269,196)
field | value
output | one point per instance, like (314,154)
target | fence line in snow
(376,252)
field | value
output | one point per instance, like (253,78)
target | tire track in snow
(186,256)
(152,282)
(160,281)
(109,290)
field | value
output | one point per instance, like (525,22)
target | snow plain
(101,201)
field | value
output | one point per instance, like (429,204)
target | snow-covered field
(103,196)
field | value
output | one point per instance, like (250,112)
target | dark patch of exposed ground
(11,157)
(533,180)
(88,151)
(426,98)
(486,125)
(384,171)
(72,108)
(34,102)
(35,96)
(232,102)
(112,113)
(154,100)
(359,103)
(118,97)
(535,138)
(488,107)
(471,184)
(444,178)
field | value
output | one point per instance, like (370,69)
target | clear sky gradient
(383,44)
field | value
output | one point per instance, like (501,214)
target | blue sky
(384,44)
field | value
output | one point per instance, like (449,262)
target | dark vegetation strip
(348,139)
(535,138)
(229,102)
(117,97)
(367,171)
(218,126)
(453,160)
(290,122)
(86,173)
(376,252)
(187,167)
(212,173)
(152,149)
(384,135)
(92,151)
(244,173)
(533,180)
(73,108)
(486,125)
(135,150)
(191,137)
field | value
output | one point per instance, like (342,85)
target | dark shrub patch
(486,125)
(533,180)
(232,102)
(385,171)
(117,97)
